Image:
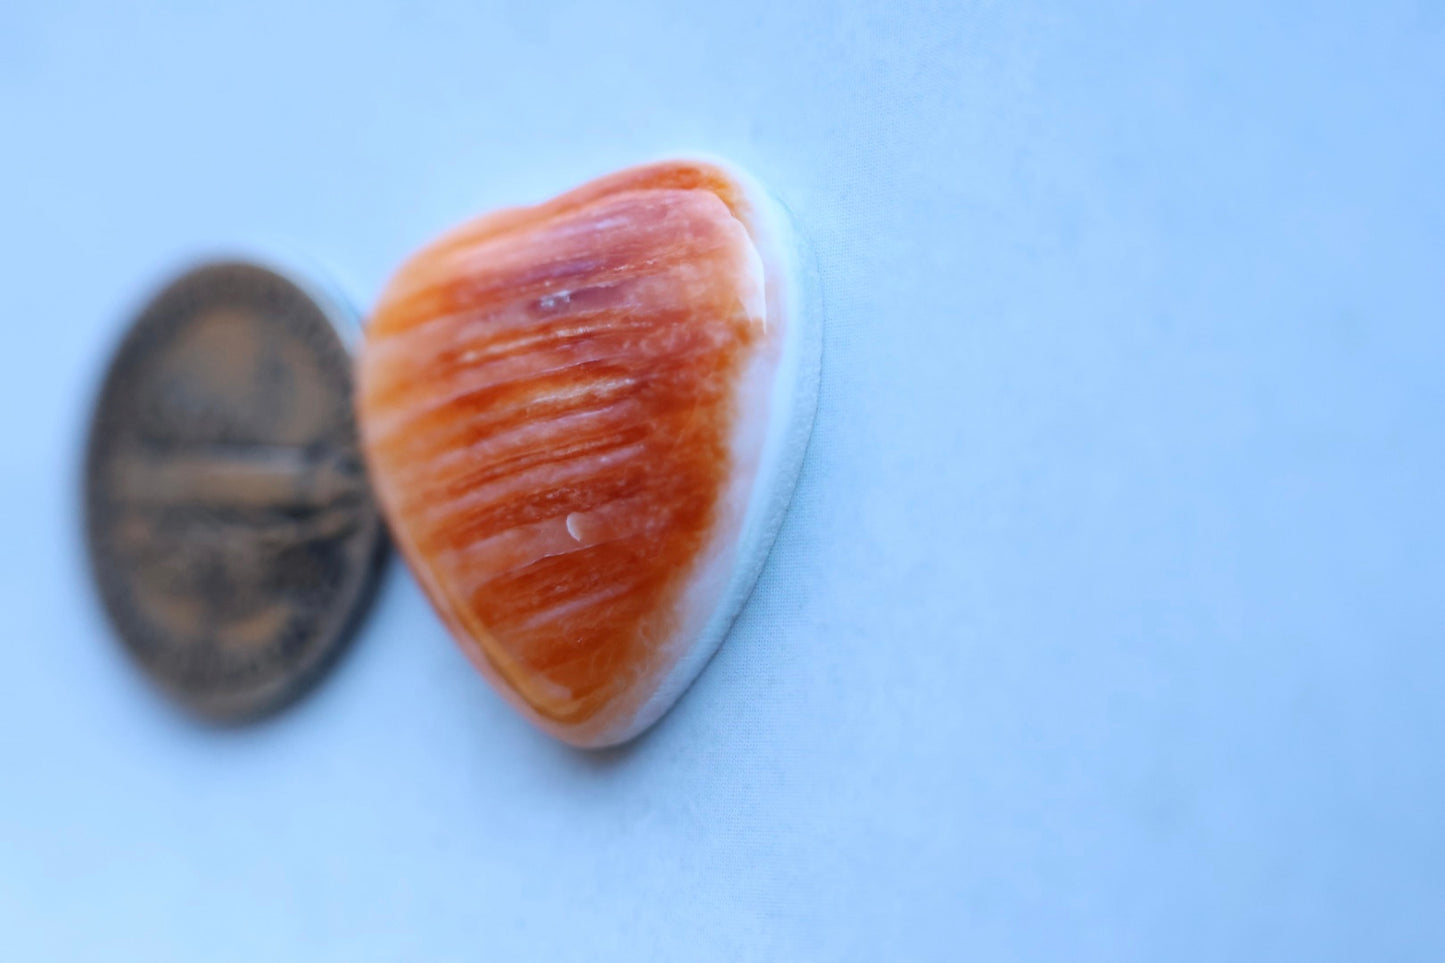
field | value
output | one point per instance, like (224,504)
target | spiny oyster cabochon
(583,420)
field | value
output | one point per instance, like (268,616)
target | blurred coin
(231,530)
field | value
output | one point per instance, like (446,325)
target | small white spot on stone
(574,525)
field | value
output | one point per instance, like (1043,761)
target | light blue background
(1109,620)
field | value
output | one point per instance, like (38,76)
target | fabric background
(1107,620)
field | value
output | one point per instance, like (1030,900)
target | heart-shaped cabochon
(583,421)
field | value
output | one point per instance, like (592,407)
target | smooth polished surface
(1106,622)
(564,410)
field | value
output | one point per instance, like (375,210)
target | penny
(232,533)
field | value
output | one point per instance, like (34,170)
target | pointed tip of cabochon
(501,418)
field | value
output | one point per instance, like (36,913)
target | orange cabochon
(550,401)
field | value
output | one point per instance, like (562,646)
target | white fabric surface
(1107,620)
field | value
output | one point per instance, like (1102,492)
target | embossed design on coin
(231,529)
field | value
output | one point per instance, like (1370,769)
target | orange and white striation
(583,420)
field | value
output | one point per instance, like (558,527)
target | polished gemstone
(583,420)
